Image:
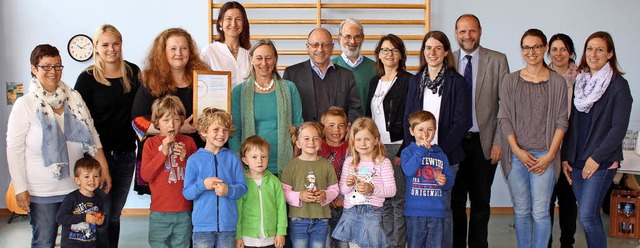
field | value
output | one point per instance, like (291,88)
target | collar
(317,70)
(473,54)
(352,64)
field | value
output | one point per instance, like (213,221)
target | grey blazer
(342,90)
(492,68)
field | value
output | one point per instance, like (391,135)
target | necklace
(268,88)
(380,93)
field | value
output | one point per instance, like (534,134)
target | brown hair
(168,104)
(245,41)
(613,61)
(309,124)
(86,163)
(265,42)
(97,69)
(333,111)
(420,116)
(398,44)
(157,75)
(210,116)
(442,38)
(41,51)
(361,124)
(254,142)
(534,32)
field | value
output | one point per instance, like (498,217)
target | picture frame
(211,89)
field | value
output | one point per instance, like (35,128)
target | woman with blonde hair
(169,71)
(108,88)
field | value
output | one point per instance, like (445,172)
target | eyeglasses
(49,67)
(386,51)
(316,45)
(355,37)
(536,48)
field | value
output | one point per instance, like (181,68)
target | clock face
(80,48)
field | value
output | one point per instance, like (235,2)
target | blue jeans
(447,232)
(531,194)
(361,224)
(214,239)
(590,194)
(308,232)
(44,227)
(424,232)
(121,167)
(170,229)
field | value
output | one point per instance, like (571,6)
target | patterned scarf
(589,89)
(54,137)
(570,75)
(283,103)
(436,85)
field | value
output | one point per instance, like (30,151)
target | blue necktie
(468,75)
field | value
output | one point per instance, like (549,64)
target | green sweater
(273,204)
(363,74)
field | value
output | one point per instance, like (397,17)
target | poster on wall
(211,89)
(14,91)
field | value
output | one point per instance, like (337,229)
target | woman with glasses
(533,120)
(266,105)
(563,54)
(439,89)
(592,148)
(108,87)
(387,98)
(230,51)
(49,129)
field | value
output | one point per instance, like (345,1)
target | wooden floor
(135,228)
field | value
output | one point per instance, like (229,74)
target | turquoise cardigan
(273,203)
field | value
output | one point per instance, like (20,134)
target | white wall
(24,24)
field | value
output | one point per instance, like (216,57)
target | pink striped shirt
(384,185)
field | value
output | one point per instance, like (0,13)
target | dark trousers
(568,211)
(474,177)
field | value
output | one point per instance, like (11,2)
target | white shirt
(474,76)
(352,64)
(24,151)
(377,110)
(431,103)
(218,57)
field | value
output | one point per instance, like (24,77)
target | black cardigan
(393,103)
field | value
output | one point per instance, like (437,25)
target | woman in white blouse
(230,51)
(49,129)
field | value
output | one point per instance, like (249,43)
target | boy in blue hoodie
(214,180)
(428,175)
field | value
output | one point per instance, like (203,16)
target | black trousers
(568,211)
(474,178)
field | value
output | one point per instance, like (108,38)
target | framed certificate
(211,89)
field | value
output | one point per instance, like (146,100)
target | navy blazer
(455,113)
(607,129)
(393,104)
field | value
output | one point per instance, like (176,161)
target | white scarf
(76,126)
(589,89)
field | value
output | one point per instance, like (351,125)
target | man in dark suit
(322,84)
(483,70)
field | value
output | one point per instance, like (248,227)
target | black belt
(471,135)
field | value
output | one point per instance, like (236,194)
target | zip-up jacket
(274,208)
(210,212)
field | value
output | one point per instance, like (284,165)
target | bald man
(322,84)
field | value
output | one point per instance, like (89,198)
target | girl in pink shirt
(366,180)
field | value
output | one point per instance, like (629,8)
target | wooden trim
(427,16)
(373,6)
(211,27)
(335,52)
(136,211)
(335,37)
(272,6)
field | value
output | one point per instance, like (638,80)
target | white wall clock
(80,47)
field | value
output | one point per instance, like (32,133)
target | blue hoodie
(424,197)
(210,212)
